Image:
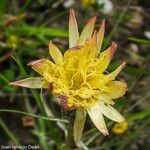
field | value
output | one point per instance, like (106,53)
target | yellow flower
(120,128)
(79,78)
(12,41)
(86,3)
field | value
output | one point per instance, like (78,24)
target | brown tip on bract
(102,26)
(71,12)
(50,42)
(103,23)
(92,20)
(16,83)
(72,19)
(51,45)
(30,63)
(123,64)
(113,49)
(94,37)
(94,33)
(33,62)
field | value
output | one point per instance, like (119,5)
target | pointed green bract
(55,53)
(113,74)
(88,29)
(111,112)
(100,35)
(73,29)
(33,83)
(116,89)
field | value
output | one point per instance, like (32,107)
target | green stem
(70,141)
(33,115)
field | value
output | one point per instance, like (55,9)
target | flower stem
(70,144)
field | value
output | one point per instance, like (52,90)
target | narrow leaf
(33,115)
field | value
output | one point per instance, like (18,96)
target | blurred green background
(26,26)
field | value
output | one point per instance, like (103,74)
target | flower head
(79,78)
(120,128)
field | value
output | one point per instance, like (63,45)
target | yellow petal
(89,47)
(105,57)
(77,77)
(73,29)
(93,44)
(79,124)
(105,98)
(111,112)
(33,82)
(97,118)
(98,81)
(55,53)
(100,35)
(88,29)
(113,49)
(85,93)
(116,89)
(44,67)
(112,75)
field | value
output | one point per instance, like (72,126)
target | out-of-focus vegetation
(25,29)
